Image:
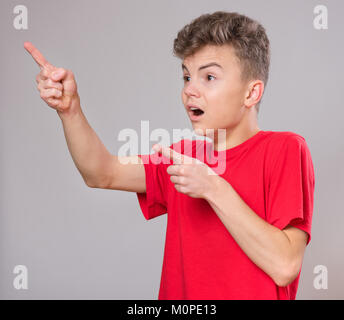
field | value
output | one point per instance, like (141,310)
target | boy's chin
(206,132)
(199,131)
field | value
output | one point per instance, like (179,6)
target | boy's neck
(235,136)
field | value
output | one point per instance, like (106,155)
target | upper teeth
(194,108)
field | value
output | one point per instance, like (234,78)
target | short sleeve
(153,202)
(291,186)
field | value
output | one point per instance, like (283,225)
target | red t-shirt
(272,172)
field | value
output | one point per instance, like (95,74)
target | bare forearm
(267,246)
(88,152)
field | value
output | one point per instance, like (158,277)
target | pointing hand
(189,175)
(57,86)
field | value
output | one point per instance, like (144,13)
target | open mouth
(195,112)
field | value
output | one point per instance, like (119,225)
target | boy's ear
(254,93)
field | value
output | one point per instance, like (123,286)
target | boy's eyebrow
(203,67)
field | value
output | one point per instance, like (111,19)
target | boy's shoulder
(285,136)
(285,147)
(277,141)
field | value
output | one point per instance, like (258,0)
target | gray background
(83,243)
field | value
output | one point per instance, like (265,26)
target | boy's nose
(191,90)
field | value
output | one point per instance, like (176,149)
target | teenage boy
(240,234)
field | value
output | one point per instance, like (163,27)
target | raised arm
(98,168)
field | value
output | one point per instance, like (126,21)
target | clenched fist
(57,86)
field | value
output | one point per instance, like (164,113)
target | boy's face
(218,91)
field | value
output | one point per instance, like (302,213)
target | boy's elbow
(286,275)
(90,184)
(95,184)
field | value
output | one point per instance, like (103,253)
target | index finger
(36,55)
(177,157)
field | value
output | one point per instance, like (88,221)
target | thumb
(59,74)
(156,147)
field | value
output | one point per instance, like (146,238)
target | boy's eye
(185,78)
